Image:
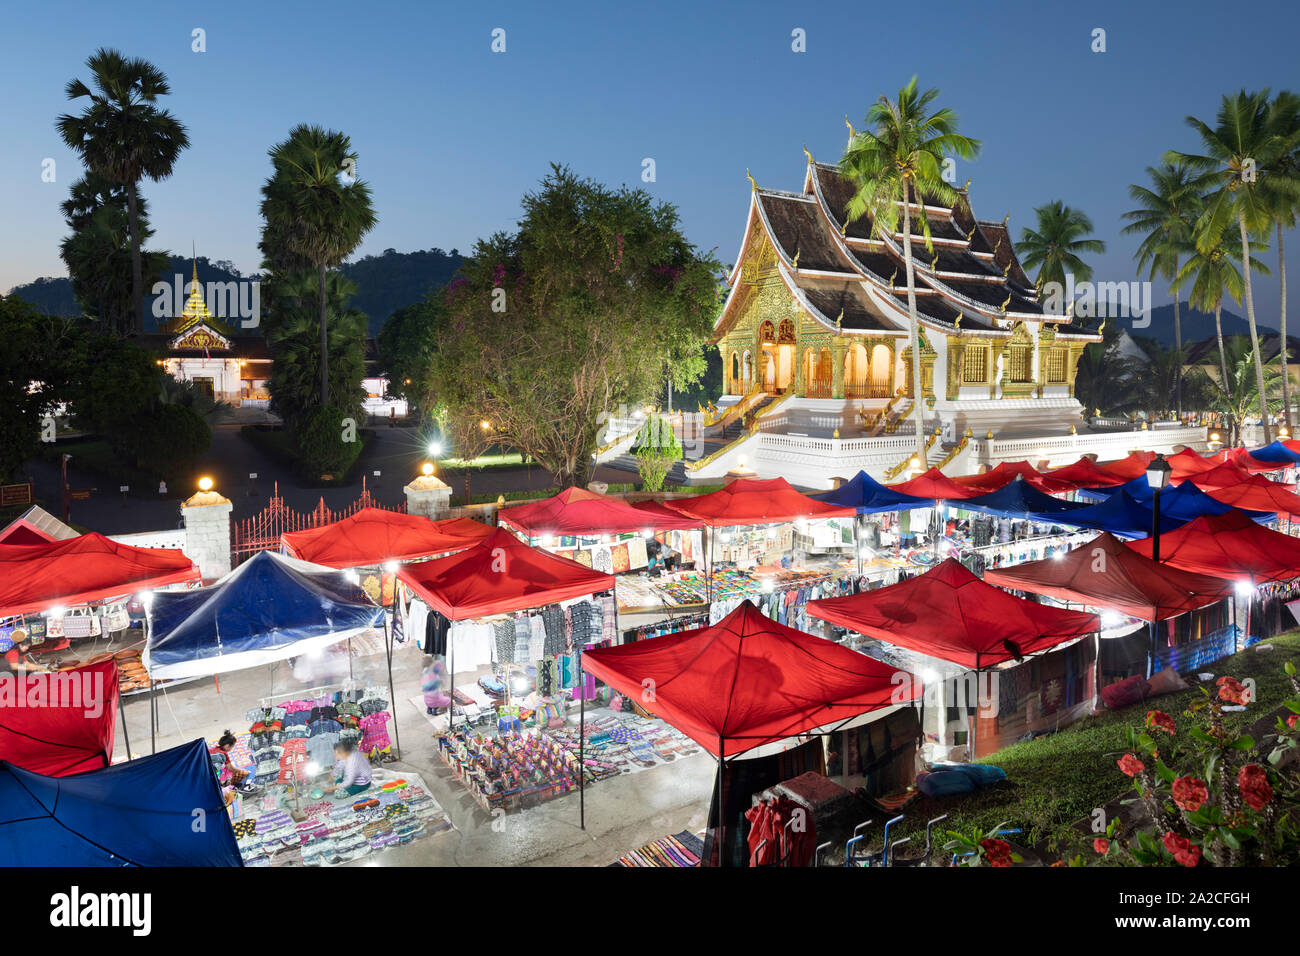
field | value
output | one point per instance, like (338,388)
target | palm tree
(1166,213)
(1282,188)
(1055,245)
(1239,393)
(124,137)
(1240,149)
(1106,382)
(895,163)
(316,212)
(1211,269)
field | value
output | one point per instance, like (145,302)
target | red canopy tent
(1259,494)
(1132,466)
(86,568)
(748,681)
(1086,473)
(1105,573)
(70,730)
(951,614)
(1244,459)
(1224,475)
(498,575)
(936,485)
(20,532)
(748,501)
(1007,471)
(1229,545)
(577,511)
(374,536)
(1188,463)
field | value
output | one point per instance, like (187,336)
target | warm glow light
(915,462)
(1110,619)
(485,424)
(57,611)
(741,461)
(1245,588)
(648,533)
(435,448)
(205,483)
(426,469)
(391,567)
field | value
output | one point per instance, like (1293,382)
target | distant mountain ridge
(385,283)
(1198,325)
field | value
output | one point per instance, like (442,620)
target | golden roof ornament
(1007,271)
(956,323)
(752,185)
(794,263)
(934,263)
(852,132)
(971,234)
(1102,327)
(1006,302)
(893,277)
(808,154)
(989,436)
(839,319)
(1006,219)
(966,188)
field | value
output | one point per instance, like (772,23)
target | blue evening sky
(451,134)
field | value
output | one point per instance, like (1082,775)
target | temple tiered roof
(853,280)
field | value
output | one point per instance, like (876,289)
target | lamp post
(1157,479)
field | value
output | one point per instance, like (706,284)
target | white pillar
(207,533)
(429,497)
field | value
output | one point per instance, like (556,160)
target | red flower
(1182,849)
(1130,766)
(1254,786)
(1231,690)
(1158,719)
(997,852)
(1290,721)
(1190,793)
(1101,845)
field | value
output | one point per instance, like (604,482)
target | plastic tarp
(139,813)
(1258,494)
(1019,499)
(578,512)
(499,575)
(1104,573)
(749,681)
(868,496)
(62,723)
(373,536)
(1086,473)
(1275,453)
(1008,471)
(951,614)
(935,486)
(1226,475)
(1188,463)
(269,608)
(1243,459)
(1229,546)
(89,567)
(657,509)
(1130,467)
(1130,510)
(747,501)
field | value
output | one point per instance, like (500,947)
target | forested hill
(386,282)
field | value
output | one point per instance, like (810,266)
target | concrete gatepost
(428,496)
(207,532)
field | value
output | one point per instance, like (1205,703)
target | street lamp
(1157,479)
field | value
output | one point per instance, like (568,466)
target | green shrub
(656,449)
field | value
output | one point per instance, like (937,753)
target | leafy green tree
(123,136)
(1054,247)
(316,212)
(1248,139)
(1282,194)
(1105,382)
(1165,218)
(1239,397)
(321,442)
(577,313)
(656,449)
(895,163)
(98,251)
(406,346)
(35,374)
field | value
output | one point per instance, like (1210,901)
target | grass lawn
(1054,781)
(511,459)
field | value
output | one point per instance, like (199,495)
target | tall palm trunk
(918,391)
(137,268)
(1178,345)
(1254,332)
(324,342)
(1223,357)
(1286,346)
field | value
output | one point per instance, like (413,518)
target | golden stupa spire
(196,309)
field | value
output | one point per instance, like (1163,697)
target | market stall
(1129,510)
(1006,472)
(60,724)
(139,813)
(372,537)
(747,683)
(1086,473)
(1229,546)
(950,614)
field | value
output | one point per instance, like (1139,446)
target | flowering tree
(1212,797)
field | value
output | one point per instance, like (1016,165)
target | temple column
(838,346)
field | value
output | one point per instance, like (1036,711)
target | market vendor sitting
(351,769)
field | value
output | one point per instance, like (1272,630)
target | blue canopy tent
(869,496)
(1276,453)
(269,608)
(1130,513)
(139,813)
(1018,499)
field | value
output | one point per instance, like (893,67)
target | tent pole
(582,750)
(970,711)
(388,645)
(153,717)
(857,541)
(722,810)
(1151,653)
(1096,670)
(121,716)
(451,670)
